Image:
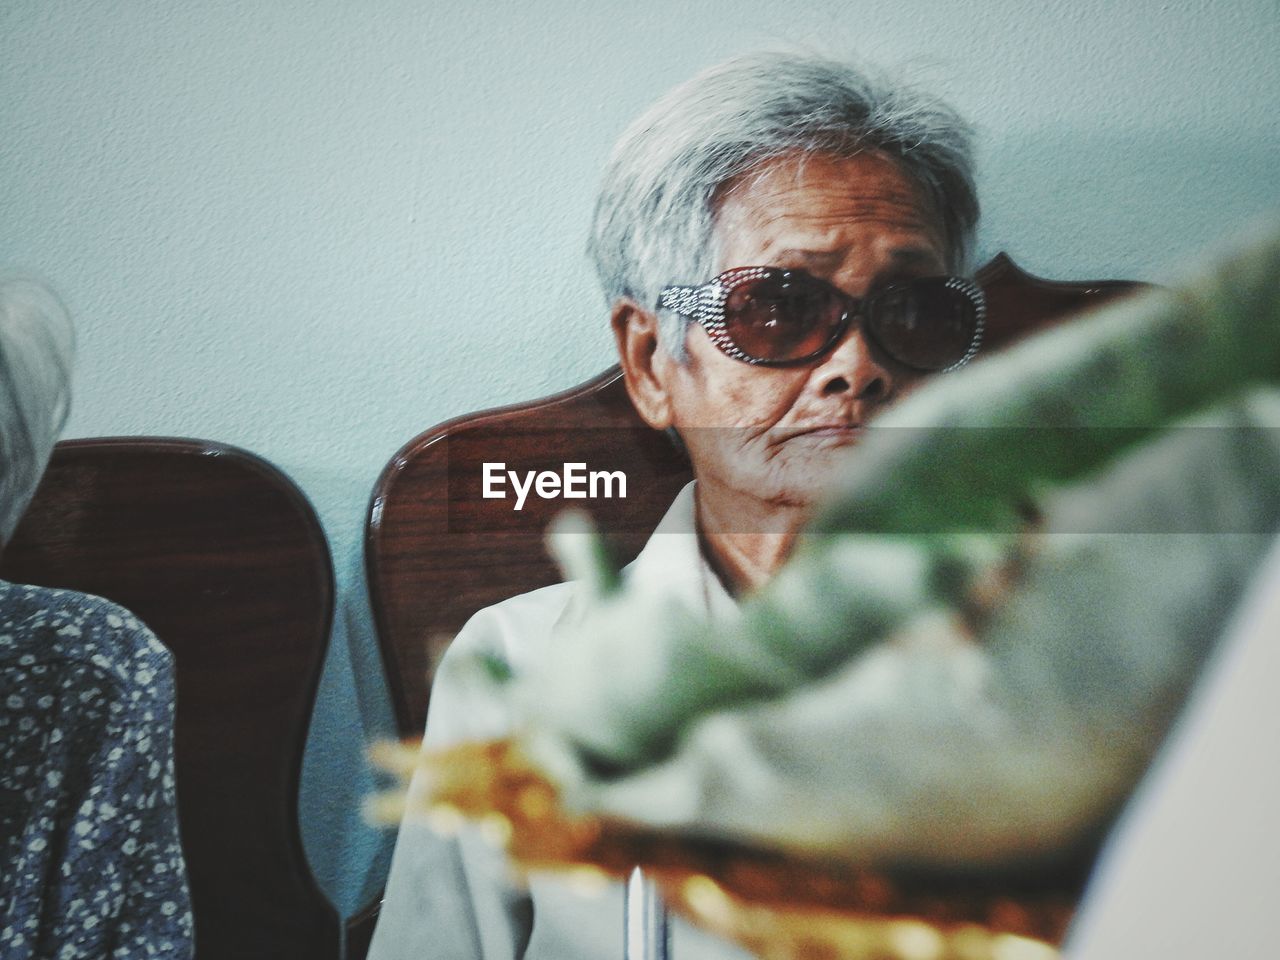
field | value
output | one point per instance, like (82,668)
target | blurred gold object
(779,906)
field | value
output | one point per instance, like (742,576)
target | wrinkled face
(775,434)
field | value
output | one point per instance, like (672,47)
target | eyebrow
(808,258)
(912,256)
(903,256)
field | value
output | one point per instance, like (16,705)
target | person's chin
(807,479)
(816,455)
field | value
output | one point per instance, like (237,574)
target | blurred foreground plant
(942,700)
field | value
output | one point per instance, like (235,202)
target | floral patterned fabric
(89,850)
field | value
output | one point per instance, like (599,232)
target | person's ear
(645,362)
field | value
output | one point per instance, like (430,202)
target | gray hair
(36,348)
(655,216)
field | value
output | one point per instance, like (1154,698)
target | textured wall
(296,226)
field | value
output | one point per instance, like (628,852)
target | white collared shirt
(453,897)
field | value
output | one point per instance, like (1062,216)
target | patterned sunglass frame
(704,305)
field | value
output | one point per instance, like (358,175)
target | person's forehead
(805,205)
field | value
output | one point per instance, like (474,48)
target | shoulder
(515,629)
(498,641)
(45,627)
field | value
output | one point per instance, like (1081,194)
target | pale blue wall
(296,225)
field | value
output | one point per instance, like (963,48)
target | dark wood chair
(436,551)
(223,557)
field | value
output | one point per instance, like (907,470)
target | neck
(745,539)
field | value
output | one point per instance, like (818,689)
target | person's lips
(835,433)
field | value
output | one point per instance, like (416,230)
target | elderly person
(89,846)
(849,202)
(777,239)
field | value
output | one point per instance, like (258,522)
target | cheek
(742,404)
(905,380)
(719,391)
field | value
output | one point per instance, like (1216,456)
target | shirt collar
(672,562)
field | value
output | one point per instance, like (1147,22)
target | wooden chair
(436,551)
(223,557)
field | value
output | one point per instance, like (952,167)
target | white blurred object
(647,932)
(36,348)
(1193,871)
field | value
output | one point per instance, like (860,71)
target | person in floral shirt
(90,859)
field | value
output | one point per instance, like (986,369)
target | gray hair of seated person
(36,349)
(654,221)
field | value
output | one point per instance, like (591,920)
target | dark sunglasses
(780,318)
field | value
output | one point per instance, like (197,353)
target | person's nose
(854,368)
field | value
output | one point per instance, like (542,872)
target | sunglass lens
(782,316)
(929,323)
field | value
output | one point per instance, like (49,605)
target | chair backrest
(223,558)
(437,550)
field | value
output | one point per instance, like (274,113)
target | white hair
(36,349)
(655,215)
